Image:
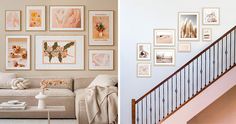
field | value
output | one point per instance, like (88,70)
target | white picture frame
(188,27)
(101,59)
(206,34)
(12,20)
(101,27)
(211,16)
(184,47)
(69,58)
(17,52)
(164,56)
(35,18)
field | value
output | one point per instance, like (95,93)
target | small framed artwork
(17,52)
(211,16)
(100,59)
(59,52)
(35,18)
(100,27)
(188,26)
(12,20)
(70,18)
(164,56)
(184,47)
(164,37)
(144,70)
(206,34)
(143,51)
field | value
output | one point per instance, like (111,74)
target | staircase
(187,82)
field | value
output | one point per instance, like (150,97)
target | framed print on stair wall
(101,59)
(100,27)
(35,18)
(12,20)
(70,18)
(188,28)
(143,51)
(164,37)
(211,16)
(206,34)
(17,52)
(143,70)
(164,56)
(59,52)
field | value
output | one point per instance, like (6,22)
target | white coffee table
(48,109)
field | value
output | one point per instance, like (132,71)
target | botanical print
(60,52)
(66,17)
(13,20)
(144,70)
(188,26)
(164,56)
(206,34)
(17,49)
(35,19)
(164,37)
(144,51)
(101,59)
(184,47)
(211,16)
(100,27)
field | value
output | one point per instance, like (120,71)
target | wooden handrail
(195,57)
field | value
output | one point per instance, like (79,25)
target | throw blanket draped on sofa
(102,105)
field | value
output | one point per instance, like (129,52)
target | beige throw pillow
(5,80)
(104,81)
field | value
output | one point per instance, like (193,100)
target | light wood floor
(35,121)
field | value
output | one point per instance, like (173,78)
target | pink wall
(222,111)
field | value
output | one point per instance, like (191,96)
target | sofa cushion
(35,91)
(5,80)
(35,82)
(104,81)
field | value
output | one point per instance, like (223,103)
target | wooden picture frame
(144,70)
(60,18)
(101,59)
(143,51)
(59,52)
(35,18)
(101,27)
(12,20)
(164,37)
(17,52)
(210,16)
(164,56)
(188,27)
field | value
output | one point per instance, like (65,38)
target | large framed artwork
(59,52)
(188,26)
(17,52)
(143,70)
(35,18)
(211,16)
(66,18)
(206,34)
(164,56)
(143,51)
(100,27)
(100,59)
(12,20)
(164,37)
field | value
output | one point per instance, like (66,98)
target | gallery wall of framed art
(58,38)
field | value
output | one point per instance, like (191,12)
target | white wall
(138,18)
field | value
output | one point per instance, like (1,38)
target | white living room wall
(138,18)
(88,4)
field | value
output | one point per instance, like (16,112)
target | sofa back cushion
(82,82)
(5,80)
(35,82)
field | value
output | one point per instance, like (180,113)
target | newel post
(133,111)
